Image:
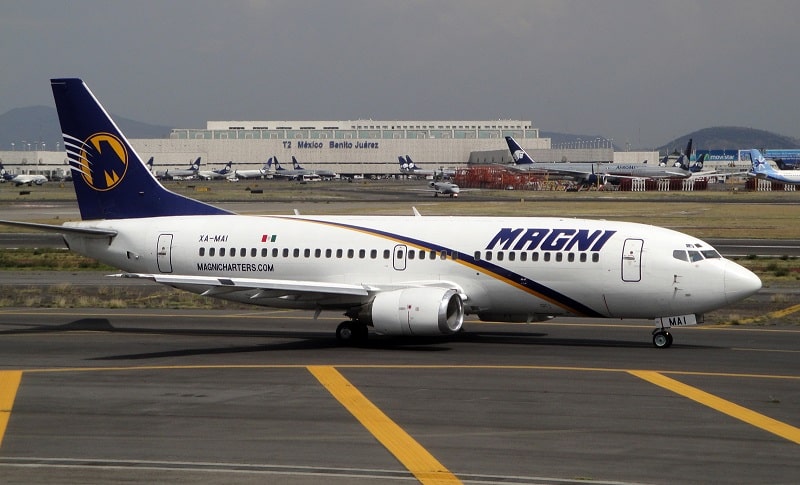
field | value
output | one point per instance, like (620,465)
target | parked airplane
(295,173)
(216,174)
(763,170)
(21,179)
(323,174)
(408,166)
(591,173)
(265,171)
(190,172)
(399,275)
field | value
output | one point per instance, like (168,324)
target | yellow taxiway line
(9,383)
(411,454)
(717,403)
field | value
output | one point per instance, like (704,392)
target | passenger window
(233,252)
(339,253)
(253,252)
(477,255)
(443,255)
(559,256)
(243,252)
(534,256)
(306,253)
(362,253)
(373,254)
(547,256)
(511,256)
(386,254)
(680,254)
(422,255)
(263,252)
(433,254)
(296,252)
(222,251)
(488,256)
(274,252)
(285,252)
(499,255)
(202,251)
(411,254)
(523,256)
(317,253)
(211,251)
(583,257)
(350,253)
(328,253)
(595,257)
(571,257)
(400,254)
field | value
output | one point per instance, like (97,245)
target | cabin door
(164,253)
(632,260)
(399,257)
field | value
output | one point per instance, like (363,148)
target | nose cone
(740,283)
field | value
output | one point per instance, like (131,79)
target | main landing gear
(662,338)
(351,332)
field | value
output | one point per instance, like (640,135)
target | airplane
(190,172)
(149,165)
(763,170)
(21,179)
(323,174)
(441,188)
(216,174)
(266,171)
(400,275)
(408,166)
(590,173)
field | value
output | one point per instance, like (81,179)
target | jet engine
(417,311)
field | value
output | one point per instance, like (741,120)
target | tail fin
(150,164)
(410,164)
(760,164)
(277,164)
(111,181)
(296,164)
(403,163)
(698,164)
(519,155)
(195,165)
(268,164)
(688,151)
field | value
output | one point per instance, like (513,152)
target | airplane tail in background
(195,165)
(111,180)
(277,164)
(267,165)
(410,164)
(296,164)
(760,165)
(403,163)
(519,155)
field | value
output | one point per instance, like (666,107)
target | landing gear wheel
(662,339)
(351,333)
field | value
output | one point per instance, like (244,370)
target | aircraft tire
(351,333)
(662,339)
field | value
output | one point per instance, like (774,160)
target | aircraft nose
(740,283)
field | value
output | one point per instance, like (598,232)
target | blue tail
(296,164)
(519,155)
(111,181)
(410,164)
(760,165)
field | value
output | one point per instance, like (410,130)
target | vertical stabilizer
(111,181)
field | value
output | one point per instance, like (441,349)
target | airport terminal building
(354,147)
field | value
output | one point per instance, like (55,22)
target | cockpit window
(695,256)
(711,254)
(680,254)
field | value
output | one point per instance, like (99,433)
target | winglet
(111,180)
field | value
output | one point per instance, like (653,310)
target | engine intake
(417,311)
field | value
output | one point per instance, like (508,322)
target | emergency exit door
(164,253)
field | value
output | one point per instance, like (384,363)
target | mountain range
(38,127)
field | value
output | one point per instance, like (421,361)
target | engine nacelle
(417,311)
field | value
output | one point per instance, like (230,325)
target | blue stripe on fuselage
(530,286)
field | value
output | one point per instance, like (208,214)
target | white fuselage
(515,269)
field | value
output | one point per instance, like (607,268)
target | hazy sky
(638,71)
